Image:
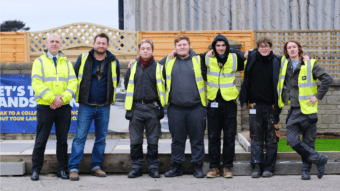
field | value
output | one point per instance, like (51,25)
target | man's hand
(305,58)
(311,101)
(171,55)
(131,62)
(58,102)
(211,53)
(246,55)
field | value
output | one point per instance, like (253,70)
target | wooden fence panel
(200,40)
(323,45)
(13,47)
(78,38)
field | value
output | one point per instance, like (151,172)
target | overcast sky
(44,14)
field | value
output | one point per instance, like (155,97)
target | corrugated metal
(185,15)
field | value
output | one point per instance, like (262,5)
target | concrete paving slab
(12,168)
(15,147)
(18,141)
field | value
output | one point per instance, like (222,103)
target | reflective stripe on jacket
(307,85)
(198,77)
(222,78)
(131,86)
(84,56)
(49,81)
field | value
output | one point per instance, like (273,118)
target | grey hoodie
(184,92)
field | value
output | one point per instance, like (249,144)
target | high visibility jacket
(307,85)
(198,77)
(222,78)
(49,81)
(81,71)
(131,86)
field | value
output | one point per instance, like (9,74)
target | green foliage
(320,145)
(13,26)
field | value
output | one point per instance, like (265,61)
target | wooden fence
(164,40)
(78,38)
(13,47)
(323,45)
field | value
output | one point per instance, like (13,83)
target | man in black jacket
(220,71)
(259,91)
(143,103)
(98,76)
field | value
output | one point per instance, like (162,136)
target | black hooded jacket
(245,89)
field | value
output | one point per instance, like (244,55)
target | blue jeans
(86,114)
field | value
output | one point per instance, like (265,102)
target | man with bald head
(54,83)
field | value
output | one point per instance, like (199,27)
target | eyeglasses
(263,47)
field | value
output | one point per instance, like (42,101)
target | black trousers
(184,122)
(144,116)
(222,118)
(45,119)
(262,130)
(297,124)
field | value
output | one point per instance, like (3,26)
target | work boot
(267,174)
(74,176)
(227,172)
(321,165)
(198,173)
(98,173)
(214,172)
(35,176)
(175,170)
(154,173)
(62,174)
(305,175)
(135,172)
(256,172)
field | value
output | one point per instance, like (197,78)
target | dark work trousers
(297,124)
(222,118)
(46,116)
(262,130)
(184,122)
(144,116)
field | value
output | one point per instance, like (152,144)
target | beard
(100,52)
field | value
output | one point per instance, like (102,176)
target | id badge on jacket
(214,104)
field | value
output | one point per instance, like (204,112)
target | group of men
(269,82)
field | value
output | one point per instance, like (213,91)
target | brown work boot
(214,172)
(74,176)
(98,173)
(227,172)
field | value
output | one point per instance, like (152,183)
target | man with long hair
(298,88)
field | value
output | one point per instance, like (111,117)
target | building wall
(197,15)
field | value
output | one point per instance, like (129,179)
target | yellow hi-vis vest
(223,79)
(81,71)
(49,81)
(307,85)
(131,86)
(198,77)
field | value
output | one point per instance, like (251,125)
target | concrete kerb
(244,142)
(12,168)
(287,164)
